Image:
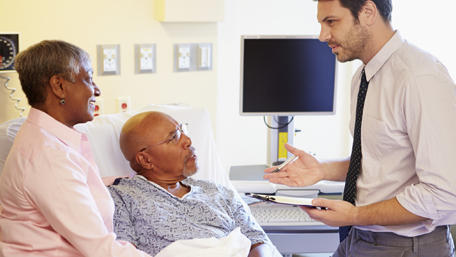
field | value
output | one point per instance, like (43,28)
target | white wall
(243,140)
(429,25)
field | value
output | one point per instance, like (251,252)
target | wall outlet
(184,57)
(98,107)
(204,55)
(109,60)
(123,104)
(192,57)
(108,57)
(145,60)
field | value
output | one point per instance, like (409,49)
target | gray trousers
(438,243)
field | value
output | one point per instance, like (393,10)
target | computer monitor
(287,76)
(284,76)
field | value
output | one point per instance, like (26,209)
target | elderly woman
(54,202)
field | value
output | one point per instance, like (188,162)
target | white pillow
(8,131)
(104,131)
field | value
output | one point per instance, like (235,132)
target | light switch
(204,56)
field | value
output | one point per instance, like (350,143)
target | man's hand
(304,171)
(340,213)
(334,213)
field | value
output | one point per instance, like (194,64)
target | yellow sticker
(283,138)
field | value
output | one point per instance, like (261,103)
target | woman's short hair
(38,63)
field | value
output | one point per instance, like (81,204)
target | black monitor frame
(312,53)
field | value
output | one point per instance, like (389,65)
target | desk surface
(249,178)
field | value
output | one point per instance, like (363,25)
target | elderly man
(162,204)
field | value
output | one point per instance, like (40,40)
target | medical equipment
(22,109)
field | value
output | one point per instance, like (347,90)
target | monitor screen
(287,76)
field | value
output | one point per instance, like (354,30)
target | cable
(285,125)
(22,109)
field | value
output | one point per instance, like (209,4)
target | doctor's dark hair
(38,63)
(385,7)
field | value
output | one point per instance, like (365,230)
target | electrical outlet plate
(204,56)
(192,57)
(184,57)
(123,104)
(98,107)
(108,59)
(145,58)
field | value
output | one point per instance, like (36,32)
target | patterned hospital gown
(151,218)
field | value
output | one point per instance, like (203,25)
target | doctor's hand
(304,171)
(334,213)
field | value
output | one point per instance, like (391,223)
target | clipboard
(283,199)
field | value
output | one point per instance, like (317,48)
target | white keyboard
(272,214)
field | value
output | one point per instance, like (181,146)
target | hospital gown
(151,218)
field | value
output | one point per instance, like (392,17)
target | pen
(292,158)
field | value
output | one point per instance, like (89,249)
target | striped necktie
(355,159)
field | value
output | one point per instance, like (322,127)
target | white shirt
(408,136)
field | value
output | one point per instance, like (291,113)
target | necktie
(355,159)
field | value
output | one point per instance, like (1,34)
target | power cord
(22,109)
(284,125)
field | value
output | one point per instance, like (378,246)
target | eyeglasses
(175,138)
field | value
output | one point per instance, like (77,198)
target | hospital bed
(104,131)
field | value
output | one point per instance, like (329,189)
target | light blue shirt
(151,218)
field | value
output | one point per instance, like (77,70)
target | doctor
(399,193)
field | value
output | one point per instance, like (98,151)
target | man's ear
(57,86)
(369,13)
(144,160)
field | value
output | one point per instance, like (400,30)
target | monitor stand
(278,137)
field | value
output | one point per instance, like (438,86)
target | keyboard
(271,214)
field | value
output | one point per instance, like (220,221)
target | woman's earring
(62,102)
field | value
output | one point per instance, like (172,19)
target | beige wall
(87,23)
